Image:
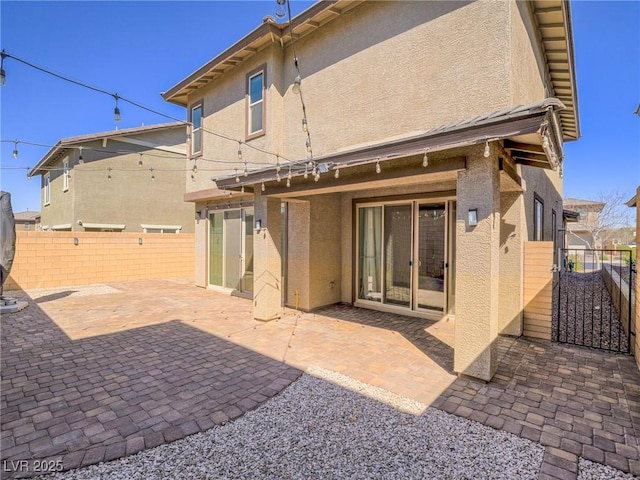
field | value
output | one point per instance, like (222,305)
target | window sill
(258,134)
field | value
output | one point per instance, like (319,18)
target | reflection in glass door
(431,256)
(397,252)
(402,255)
(231,249)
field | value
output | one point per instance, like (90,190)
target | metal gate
(593,299)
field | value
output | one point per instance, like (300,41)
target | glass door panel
(398,220)
(370,254)
(233,249)
(431,256)
(216,244)
(247,283)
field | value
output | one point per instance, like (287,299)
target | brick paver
(91,378)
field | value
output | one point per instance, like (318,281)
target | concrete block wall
(51,259)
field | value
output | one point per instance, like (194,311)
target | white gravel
(316,428)
(588,470)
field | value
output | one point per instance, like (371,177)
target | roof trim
(68,143)
(632,202)
(521,120)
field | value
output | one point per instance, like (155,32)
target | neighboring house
(437,133)
(580,234)
(125,180)
(27,220)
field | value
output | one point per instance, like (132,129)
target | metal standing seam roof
(520,120)
(65,144)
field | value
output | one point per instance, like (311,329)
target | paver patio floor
(95,373)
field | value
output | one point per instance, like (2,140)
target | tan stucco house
(28,220)
(580,234)
(430,148)
(123,180)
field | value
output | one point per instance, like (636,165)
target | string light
(305,126)
(425,160)
(81,158)
(288,182)
(109,174)
(246,172)
(306,172)
(239,152)
(3,76)
(487,151)
(316,176)
(242,189)
(116,111)
(195,167)
(15,149)
(262,187)
(309,145)
(237,176)
(278,177)
(378,169)
(153,177)
(289,174)
(337,174)
(297,82)
(280,10)
(140,161)
(277,163)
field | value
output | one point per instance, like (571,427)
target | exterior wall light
(258,224)
(140,241)
(75,241)
(472,217)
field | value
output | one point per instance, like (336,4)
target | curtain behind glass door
(370,253)
(398,220)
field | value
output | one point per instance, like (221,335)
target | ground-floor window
(231,249)
(403,250)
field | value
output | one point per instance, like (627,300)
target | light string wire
(118,97)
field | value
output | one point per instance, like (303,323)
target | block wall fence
(52,259)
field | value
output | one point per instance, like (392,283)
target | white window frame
(47,189)
(197,130)
(65,174)
(251,134)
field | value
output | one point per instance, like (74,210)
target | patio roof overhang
(528,135)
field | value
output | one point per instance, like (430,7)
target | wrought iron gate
(593,299)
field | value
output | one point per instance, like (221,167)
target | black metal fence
(593,299)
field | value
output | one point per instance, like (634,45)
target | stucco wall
(547,184)
(51,259)
(131,197)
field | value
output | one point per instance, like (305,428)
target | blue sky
(139,49)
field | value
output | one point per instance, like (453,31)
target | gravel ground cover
(326,425)
(333,427)
(587,316)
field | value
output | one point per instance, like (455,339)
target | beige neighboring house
(580,234)
(484,90)
(130,180)
(29,220)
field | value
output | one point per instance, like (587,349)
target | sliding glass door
(231,249)
(402,255)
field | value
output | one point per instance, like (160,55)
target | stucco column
(477,267)
(202,246)
(267,260)
(511,268)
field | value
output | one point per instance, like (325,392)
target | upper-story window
(47,189)
(65,175)
(196,129)
(255,103)
(538,219)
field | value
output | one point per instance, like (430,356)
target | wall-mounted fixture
(258,224)
(75,241)
(472,217)
(140,241)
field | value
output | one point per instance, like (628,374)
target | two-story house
(580,234)
(123,180)
(429,148)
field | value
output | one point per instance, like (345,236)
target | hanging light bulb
(237,176)
(337,174)
(80,157)
(239,152)
(153,177)
(309,145)
(242,189)
(109,174)
(296,85)
(316,176)
(15,149)
(277,163)
(195,168)
(305,127)
(278,177)
(289,174)
(310,164)
(3,75)
(425,160)
(246,172)
(140,161)
(262,187)
(306,172)
(116,111)
(378,169)
(487,151)
(288,182)
(281,12)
